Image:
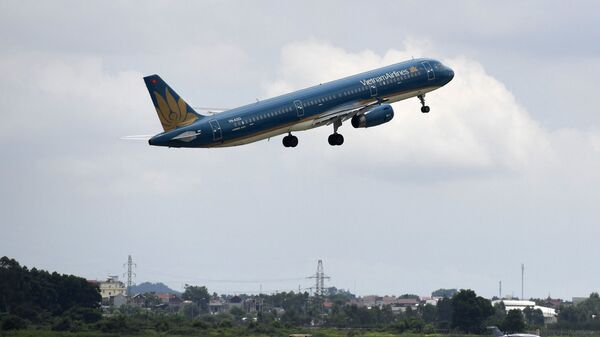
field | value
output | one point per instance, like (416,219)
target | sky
(504,170)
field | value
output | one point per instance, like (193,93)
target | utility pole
(522,282)
(130,275)
(500,290)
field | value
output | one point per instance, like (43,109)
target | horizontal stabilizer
(209,111)
(137,137)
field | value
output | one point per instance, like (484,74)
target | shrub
(200,325)
(162,326)
(27,311)
(87,315)
(117,324)
(226,323)
(62,324)
(12,322)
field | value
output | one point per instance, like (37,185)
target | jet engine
(376,116)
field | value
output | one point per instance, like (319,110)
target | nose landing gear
(424,108)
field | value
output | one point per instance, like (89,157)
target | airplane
(364,99)
(498,333)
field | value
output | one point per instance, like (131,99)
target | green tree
(428,313)
(198,295)
(150,300)
(444,293)
(444,313)
(513,322)
(190,310)
(497,319)
(34,293)
(469,311)
(237,313)
(534,317)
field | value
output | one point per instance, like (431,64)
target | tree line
(37,298)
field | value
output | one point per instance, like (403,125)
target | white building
(112,287)
(550,315)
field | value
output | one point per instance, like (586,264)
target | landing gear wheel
(424,108)
(293,141)
(331,139)
(335,139)
(290,141)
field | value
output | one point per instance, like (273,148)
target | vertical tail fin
(172,110)
(495,331)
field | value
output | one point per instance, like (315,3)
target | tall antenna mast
(522,281)
(500,290)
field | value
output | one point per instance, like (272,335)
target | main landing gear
(424,108)
(336,138)
(290,141)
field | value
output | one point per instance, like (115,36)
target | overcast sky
(504,170)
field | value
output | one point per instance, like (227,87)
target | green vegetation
(37,297)
(39,303)
(583,316)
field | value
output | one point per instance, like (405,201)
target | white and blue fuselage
(364,98)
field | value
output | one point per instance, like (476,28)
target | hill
(148,287)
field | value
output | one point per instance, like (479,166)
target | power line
(251,280)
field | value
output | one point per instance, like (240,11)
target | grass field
(237,332)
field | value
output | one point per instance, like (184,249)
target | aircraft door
(216,130)
(299,108)
(429,70)
(373,89)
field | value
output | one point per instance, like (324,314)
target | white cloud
(476,123)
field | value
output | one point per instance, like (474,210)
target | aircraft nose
(449,74)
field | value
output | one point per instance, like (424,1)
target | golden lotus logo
(413,69)
(173,113)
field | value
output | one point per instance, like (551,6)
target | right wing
(344,112)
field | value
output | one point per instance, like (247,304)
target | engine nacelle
(376,116)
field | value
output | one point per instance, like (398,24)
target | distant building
(118,300)
(111,287)
(138,300)
(398,304)
(234,302)
(554,302)
(403,303)
(430,300)
(166,298)
(550,315)
(171,301)
(216,305)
